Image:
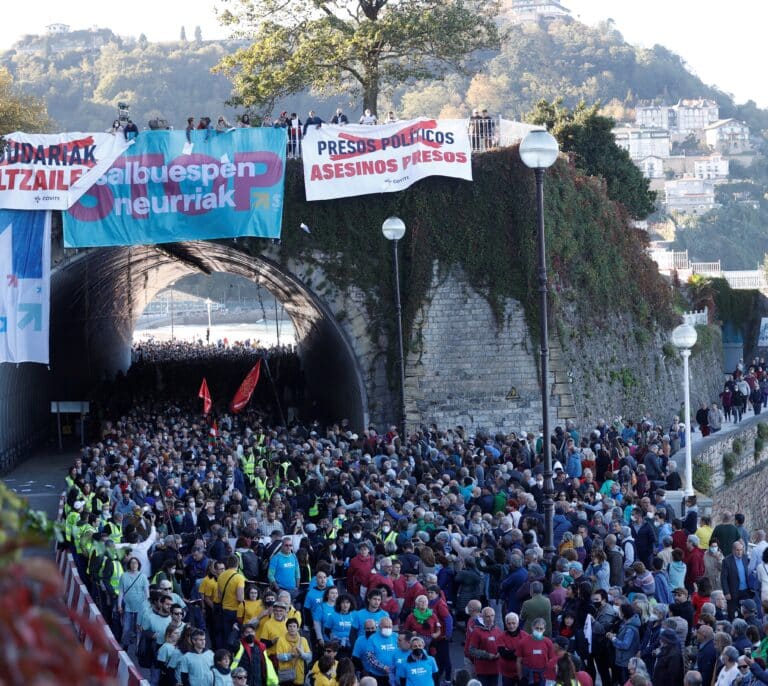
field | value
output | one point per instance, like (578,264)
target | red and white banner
(52,171)
(342,161)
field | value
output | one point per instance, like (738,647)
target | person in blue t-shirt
(378,652)
(371,611)
(400,656)
(284,569)
(317,587)
(339,624)
(360,646)
(418,669)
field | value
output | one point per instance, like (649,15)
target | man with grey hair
(692,678)
(729,672)
(537,607)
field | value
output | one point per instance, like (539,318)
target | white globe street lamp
(684,338)
(539,151)
(393,229)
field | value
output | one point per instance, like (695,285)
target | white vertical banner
(762,339)
(25,289)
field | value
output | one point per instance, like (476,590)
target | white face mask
(386,632)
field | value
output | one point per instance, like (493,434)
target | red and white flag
(244,393)
(205,395)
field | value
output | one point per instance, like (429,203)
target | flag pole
(274,390)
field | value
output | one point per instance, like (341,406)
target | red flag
(205,395)
(244,393)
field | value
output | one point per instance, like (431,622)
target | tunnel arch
(97,297)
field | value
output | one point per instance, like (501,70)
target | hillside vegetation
(82,84)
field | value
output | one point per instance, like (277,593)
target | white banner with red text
(343,161)
(52,171)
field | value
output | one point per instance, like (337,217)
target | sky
(723,43)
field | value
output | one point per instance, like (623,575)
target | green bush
(729,463)
(762,430)
(737,446)
(702,477)
(759,445)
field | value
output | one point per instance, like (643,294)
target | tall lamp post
(393,229)
(684,338)
(208,304)
(538,151)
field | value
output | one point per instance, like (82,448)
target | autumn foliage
(39,644)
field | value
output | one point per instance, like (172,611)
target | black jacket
(669,668)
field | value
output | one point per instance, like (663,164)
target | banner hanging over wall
(25,267)
(52,171)
(166,189)
(342,161)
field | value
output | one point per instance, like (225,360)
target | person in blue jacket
(627,641)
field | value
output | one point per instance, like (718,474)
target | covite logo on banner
(383,159)
(52,171)
(229,185)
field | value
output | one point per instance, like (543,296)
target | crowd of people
(481,126)
(239,552)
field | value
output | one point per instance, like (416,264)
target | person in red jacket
(412,591)
(398,580)
(380,575)
(513,635)
(441,645)
(534,654)
(694,561)
(359,572)
(472,610)
(423,621)
(484,644)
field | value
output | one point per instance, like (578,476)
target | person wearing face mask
(604,620)
(713,564)
(378,653)
(534,653)
(418,669)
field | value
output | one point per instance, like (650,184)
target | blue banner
(25,267)
(166,189)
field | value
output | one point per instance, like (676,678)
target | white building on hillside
(727,136)
(652,116)
(689,196)
(57,28)
(641,142)
(651,166)
(528,11)
(693,115)
(713,167)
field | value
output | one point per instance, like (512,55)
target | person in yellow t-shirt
(272,628)
(323,672)
(704,532)
(251,608)
(293,653)
(208,589)
(231,594)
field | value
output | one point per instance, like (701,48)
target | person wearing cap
(669,667)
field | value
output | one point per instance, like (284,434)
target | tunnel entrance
(98,297)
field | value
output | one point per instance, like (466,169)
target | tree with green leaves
(356,46)
(20,112)
(587,136)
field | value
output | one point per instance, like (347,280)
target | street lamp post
(393,229)
(172,336)
(539,151)
(208,304)
(684,338)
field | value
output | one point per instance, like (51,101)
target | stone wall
(466,368)
(746,490)
(630,371)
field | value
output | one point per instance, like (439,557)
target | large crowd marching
(234,552)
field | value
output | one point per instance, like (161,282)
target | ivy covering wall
(488,228)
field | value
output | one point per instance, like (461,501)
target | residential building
(689,196)
(651,166)
(529,11)
(693,115)
(727,136)
(642,142)
(57,28)
(687,116)
(712,167)
(652,116)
